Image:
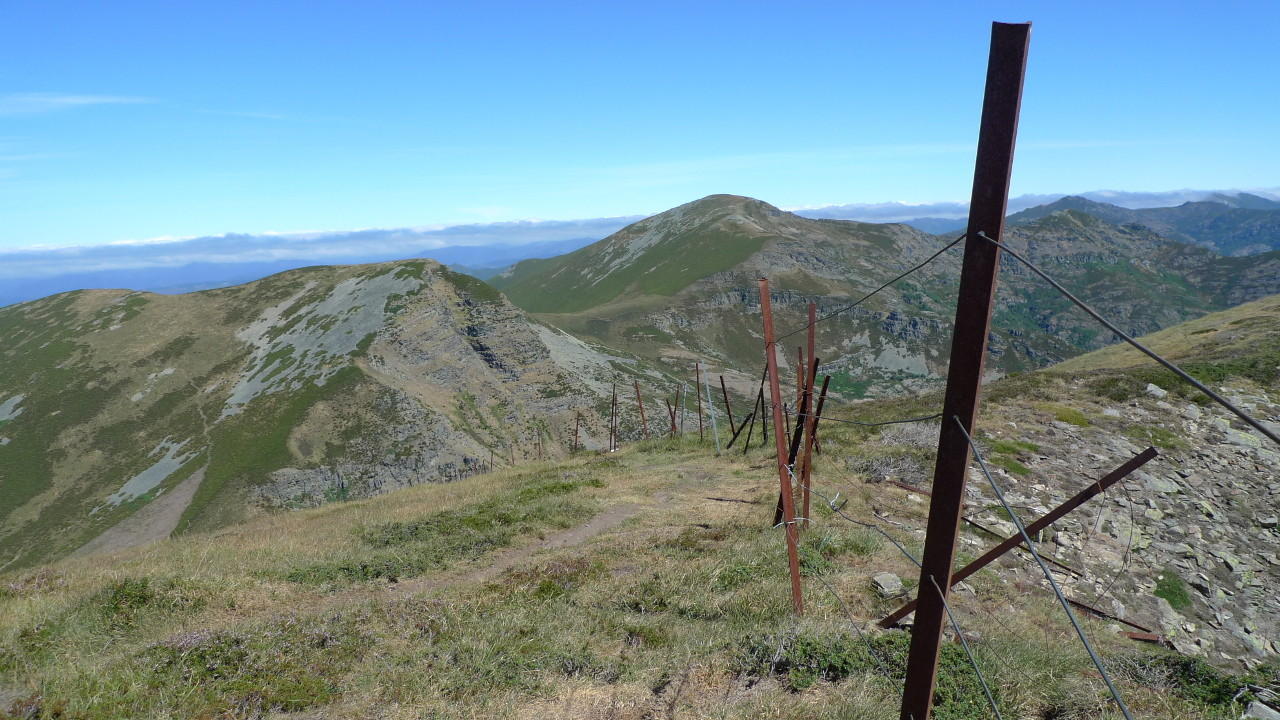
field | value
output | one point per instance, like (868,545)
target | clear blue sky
(127,120)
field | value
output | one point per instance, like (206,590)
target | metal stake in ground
(811,434)
(728,409)
(697,390)
(640,401)
(1005,69)
(780,443)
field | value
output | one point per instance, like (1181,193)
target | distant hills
(482,250)
(682,284)
(301,388)
(1241,224)
(333,382)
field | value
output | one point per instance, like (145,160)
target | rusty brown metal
(613,420)
(671,415)
(1080,498)
(970,521)
(758,409)
(784,474)
(748,421)
(644,423)
(697,383)
(810,436)
(793,449)
(1147,637)
(1006,67)
(728,409)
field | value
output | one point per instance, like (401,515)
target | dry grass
(650,619)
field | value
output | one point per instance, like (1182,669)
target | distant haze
(189,264)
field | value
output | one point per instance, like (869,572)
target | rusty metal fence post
(1006,67)
(780,443)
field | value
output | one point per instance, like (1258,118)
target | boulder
(888,584)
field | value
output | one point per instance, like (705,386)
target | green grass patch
(404,549)
(1172,588)
(804,659)
(1010,465)
(1157,436)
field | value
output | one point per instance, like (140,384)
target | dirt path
(156,521)
(513,557)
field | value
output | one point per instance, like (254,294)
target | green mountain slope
(125,416)
(1232,225)
(682,285)
(650,583)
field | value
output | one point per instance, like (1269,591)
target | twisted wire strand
(869,295)
(1183,374)
(828,418)
(1066,607)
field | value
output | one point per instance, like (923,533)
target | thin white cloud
(43,102)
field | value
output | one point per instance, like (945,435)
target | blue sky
(126,121)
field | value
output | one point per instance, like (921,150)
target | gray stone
(1156,391)
(1242,439)
(1268,522)
(888,584)
(1258,711)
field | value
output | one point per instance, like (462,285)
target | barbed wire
(1026,538)
(828,418)
(955,624)
(869,295)
(1169,365)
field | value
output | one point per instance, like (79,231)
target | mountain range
(199,263)
(126,416)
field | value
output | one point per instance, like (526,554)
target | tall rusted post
(728,409)
(644,423)
(613,420)
(1006,67)
(780,443)
(697,390)
(671,415)
(800,366)
(811,431)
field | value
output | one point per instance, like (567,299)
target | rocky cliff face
(1188,545)
(307,386)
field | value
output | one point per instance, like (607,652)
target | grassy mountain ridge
(649,583)
(1232,225)
(640,289)
(306,386)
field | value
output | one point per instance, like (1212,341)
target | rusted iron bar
(811,434)
(749,420)
(1052,561)
(793,450)
(671,415)
(728,409)
(613,422)
(752,419)
(680,401)
(644,423)
(800,365)
(1006,67)
(1045,521)
(983,528)
(697,385)
(764,419)
(784,475)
